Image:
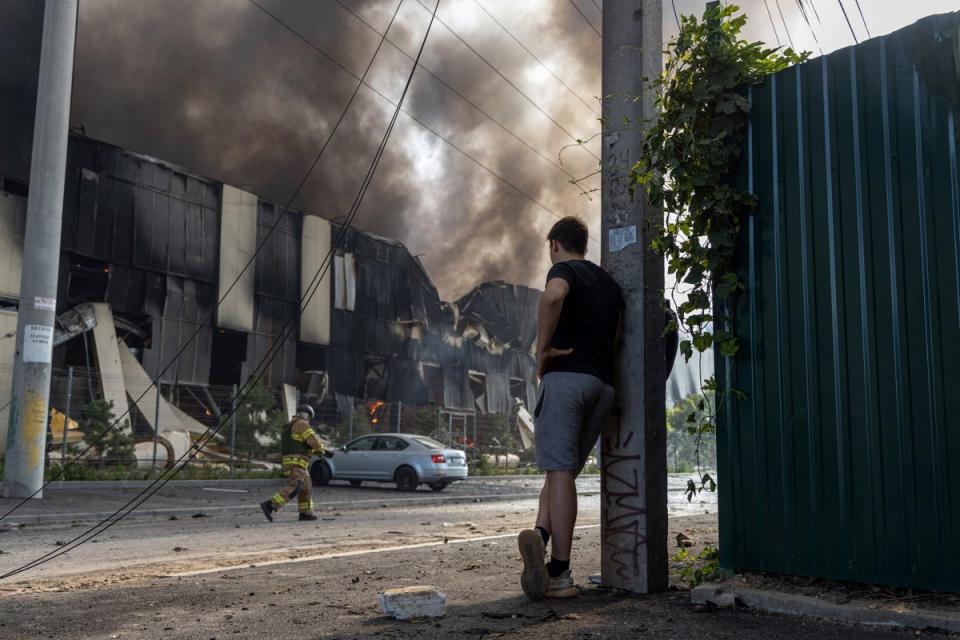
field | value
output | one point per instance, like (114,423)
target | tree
(111,446)
(260,423)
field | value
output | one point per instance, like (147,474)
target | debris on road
(684,541)
(411,603)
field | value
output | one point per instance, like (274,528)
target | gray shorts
(570,413)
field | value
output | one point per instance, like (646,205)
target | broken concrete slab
(725,595)
(411,603)
(108,363)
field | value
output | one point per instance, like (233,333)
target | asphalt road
(229,573)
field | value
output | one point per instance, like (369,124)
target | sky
(481,161)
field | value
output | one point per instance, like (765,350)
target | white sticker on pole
(622,237)
(38,343)
(45,304)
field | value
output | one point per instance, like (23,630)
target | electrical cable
(453,90)
(806,18)
(423,124)
(149,491)
(599,8)
(532,55)
(507,80)
(847,18)
(786,27)
(813,5)
(212,313)
(675,16)
(772,23)
(585,18)
(863,18)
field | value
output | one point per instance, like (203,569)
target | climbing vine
(685,166)
(687,158)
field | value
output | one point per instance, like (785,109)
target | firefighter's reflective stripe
(305,506)
(297,461)
(301,437)
(278,500)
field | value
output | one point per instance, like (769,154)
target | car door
(387,456)
(355,463)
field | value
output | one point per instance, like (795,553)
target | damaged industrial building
(148,249)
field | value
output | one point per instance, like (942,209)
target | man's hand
(546,356)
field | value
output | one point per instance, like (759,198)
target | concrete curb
(727,596)
(253,506)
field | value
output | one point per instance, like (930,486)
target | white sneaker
(562,586)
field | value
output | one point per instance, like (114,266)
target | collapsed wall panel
(315,319)
(238,243)
(108,362)
(13,215)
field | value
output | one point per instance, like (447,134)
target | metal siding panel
(238,238)
(850,325)
(315,319)
(13,215)
(8,324)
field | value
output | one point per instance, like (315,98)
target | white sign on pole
(621,238)
(38,343)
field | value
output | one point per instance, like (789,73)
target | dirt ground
(337,598)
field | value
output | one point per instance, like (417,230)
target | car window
(430,443)
(388,443)
(362,444)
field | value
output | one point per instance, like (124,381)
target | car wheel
(406,479)
(439,486)
(356,483)
(320,474)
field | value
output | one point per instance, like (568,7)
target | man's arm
(551,303)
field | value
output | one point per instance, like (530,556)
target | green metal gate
(843,461)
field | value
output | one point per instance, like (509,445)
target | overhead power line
(464,98)
(530,100)
(847,18)
(806,18)
(420,122)
(212,314)
(585,18)
(534,56)
(148,492)
(773,24)
(675,15)
(862,17)
(786,27)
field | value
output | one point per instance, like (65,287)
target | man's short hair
(571,233)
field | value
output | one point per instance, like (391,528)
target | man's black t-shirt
(588,320)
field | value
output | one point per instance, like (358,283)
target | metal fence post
(156,424)
(66,420)
(233,429)
(399,413)
(353,412)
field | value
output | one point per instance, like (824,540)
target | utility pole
(27,436)
(634,458)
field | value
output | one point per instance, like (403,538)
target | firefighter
(298,443)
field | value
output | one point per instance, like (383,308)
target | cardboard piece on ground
(108,362)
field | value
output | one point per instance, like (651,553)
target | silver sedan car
(406,459)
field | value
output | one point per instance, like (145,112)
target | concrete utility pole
(27,436)
(634,457)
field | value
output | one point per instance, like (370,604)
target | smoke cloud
(223,90)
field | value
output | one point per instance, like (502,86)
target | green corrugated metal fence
(843,461)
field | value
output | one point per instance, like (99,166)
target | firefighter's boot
(267,508)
